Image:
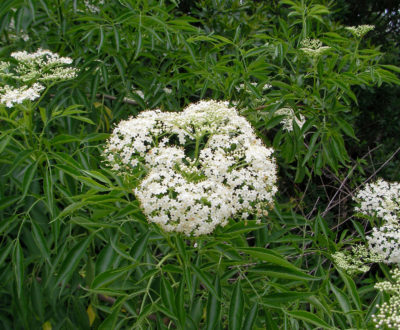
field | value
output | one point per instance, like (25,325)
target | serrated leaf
(18,263)
(268,256)
(282,272)
(74,256)
(107,277)
(214,306)
(28,177)
(309,318)
(40,240)
(280,298)
(250,317)
(204,279)
(236,307)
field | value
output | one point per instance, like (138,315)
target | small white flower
(10,96)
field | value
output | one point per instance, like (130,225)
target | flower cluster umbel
(204,165)
(360,30)
(357,261)
(389,313)
(313,47)
(381,200)
(31,73)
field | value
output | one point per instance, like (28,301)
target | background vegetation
(75,249)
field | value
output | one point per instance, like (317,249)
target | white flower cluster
(357,261)
(9,95)
(389,313)
(204,166)
(380,199)
(386,242)
(287,121)
(360,30)
(42,66)
(313,47)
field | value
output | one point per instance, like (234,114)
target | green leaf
(236,307)
(74,256)
(107,277)
(351,288)
(167,296)
(28,177)
(268,256)
(91,183)
(214,306)
(203,278)
(250,317)
(48,189)
(111,320)
(84,119)
(391,67)
(309,318)
(21,156)
(312,147)
(64,139)
(240,228)
(4,142)
(344,302)
(5,252)
(105,259)
(346,127)
(282,272)
(18,263)
(40,241)
(280,298)
(139,248)
(7,201)
(180,304)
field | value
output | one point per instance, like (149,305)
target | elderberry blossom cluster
(43,66)
(389,313)
(385,241)
(10,95)
(204,166)
(313,47)
(30,75)
(360,30)
(380,199)
(357,261)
